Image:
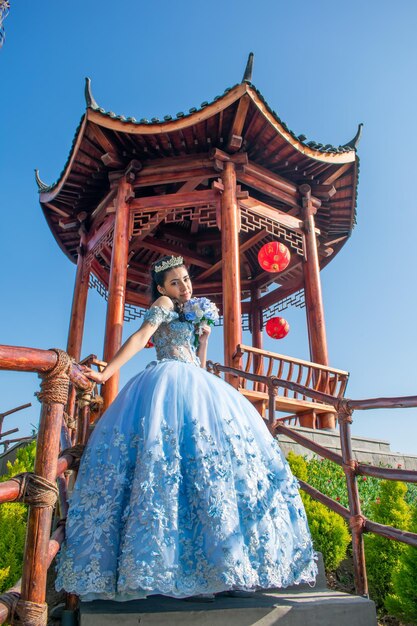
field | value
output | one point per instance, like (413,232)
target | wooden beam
(264,209)
(337,174)
(111,159)
(101,138)
(165,178)
(267,189)
(101,209)
(235,136)
(57,210)
(271,178)
(175,200)
(103,230)
(158,245)
(242,249)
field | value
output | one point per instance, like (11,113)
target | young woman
(182,491)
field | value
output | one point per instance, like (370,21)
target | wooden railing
(26,600)
(301,407)
(344,408)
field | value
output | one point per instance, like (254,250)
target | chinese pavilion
(214,185)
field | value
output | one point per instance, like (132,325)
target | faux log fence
(344,407)
(25,602)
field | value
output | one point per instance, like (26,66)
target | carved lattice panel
(297,299)
(251,221)
(105,240)
(144,222)
(202,214)
(131,312)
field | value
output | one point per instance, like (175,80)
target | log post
(230,227)
(314,301)
(117,285)
(54,394)
(356,520)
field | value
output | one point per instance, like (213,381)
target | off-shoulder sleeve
(156,315)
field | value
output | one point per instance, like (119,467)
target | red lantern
(277,327)
(274,257)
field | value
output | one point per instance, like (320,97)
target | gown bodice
(173,338)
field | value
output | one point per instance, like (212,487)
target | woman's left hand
(204,332)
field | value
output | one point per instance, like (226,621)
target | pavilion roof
(240,120)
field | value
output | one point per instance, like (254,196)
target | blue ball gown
(182,490)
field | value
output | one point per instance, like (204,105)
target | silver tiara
(174,261)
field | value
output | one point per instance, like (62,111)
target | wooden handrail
(241,349)
(37,554)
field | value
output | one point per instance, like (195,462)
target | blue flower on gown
(181,489)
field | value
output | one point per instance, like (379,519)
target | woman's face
(177,285)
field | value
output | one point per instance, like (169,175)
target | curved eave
(110,121)
(57,238)
(49,194)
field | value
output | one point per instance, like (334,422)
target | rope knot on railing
(70,421)
(344,411)
(76,452)
(55,382)
(35,490)
(350,466)
(357,523)
(10,600)
(29,614)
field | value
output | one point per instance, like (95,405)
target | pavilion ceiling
(177,164)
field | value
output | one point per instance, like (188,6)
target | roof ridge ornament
(89,98)
(247,76)
(353,143)
(41,185)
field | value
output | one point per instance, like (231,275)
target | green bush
(383,555)
(329,531)
(403,601)
(13,516)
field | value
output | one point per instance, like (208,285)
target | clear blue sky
(324,66)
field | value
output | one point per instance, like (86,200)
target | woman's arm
(134,344)
(202,344)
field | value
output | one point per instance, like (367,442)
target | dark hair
(158,278)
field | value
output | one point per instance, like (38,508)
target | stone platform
(300,605)
(302,608)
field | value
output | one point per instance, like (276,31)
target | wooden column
(77,319)
(230,226)
(117,285)
(79,301)
(313,296)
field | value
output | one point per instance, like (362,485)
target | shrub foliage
(13,516)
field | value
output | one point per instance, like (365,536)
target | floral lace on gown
(173,338)
(181,489)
